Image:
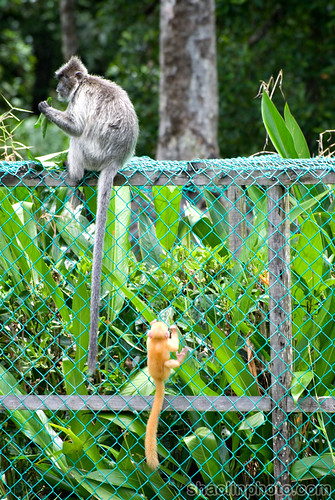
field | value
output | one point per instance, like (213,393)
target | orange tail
(152,425)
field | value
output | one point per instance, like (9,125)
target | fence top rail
(97,403)
(263,170)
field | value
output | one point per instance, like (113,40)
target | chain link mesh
(239,255)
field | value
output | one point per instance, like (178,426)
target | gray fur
(103,128)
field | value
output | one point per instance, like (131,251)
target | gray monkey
(103,128)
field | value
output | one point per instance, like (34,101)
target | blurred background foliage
(120,39)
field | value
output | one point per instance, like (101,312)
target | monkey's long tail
(105,184)
(152,425)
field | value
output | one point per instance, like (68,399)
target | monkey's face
(66,87)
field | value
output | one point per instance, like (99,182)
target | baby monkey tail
(152,426)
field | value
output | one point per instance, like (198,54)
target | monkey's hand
(181,355)
(43,107)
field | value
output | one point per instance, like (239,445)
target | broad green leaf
(138,383)
(116,477)
(204,450)
(299,140)
(80,423)
(74,378)
(11,226)
(33,424)
(218,215)
(81,319)
(205,231)
(189,372)
(104,491)
(133,424)
(202,227)
(235,369)
(308,261)
(127,422)
(163,489)
(25,247)
(278,131)
(151,251)
(116,246)
(73,229)
(300,208)
(251,422)
(55,477)
(142,307)
(299,384)
(310,468)
(73,449)
(167,207)
(8,263)
(325,330)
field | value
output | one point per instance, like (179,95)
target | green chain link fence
(239,254)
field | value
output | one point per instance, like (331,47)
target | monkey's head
(70,76)
(158,330)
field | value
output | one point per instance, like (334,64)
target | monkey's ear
(79,75)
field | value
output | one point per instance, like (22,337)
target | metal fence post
(280,335)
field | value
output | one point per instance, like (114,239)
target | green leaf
(151,251)
(8,264)
(202,227)
(34,424)
(218,215)
(204,450)
(300,208)
(73,229)
(299,140)
(116,246)
(104,491)
(81,318)
(138,383)
(299,384)
(325,330)
(127,422)
(308,261)
(116,477)
(251,422)
(313,467)
(235,370)
(43,121)
(142,307)
(167,206)
(19,223)
(276,128)
(189,372)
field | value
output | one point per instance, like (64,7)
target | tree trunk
(188,82)
(69,32)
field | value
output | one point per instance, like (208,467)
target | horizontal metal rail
(212,177)
(97,403)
